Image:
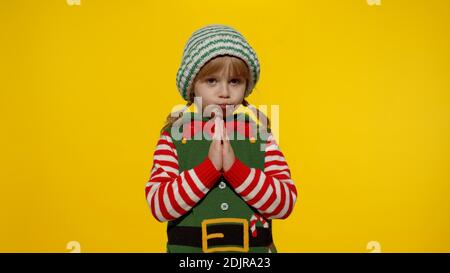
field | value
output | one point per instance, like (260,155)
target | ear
(191,93)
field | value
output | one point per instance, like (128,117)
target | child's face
(221,89)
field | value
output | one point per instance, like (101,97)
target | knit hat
(209,42)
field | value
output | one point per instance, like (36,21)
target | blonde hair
(236,68)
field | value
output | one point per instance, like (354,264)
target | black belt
(192,236)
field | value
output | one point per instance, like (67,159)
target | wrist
(207,172)
(237,173)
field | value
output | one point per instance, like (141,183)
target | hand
(228,157)
(215,148)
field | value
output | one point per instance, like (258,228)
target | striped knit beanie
(209,42)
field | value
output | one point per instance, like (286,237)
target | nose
(224,91)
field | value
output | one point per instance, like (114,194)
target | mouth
(224,106)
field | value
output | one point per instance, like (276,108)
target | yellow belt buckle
(206,236)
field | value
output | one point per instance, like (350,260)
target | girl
(218,181)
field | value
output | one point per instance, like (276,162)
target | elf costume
(208,210)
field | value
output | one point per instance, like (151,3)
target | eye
(235,81)
(211,80)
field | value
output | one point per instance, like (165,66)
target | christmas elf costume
(211,211)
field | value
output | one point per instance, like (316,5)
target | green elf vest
(220,222)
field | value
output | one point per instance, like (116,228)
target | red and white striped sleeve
(271,191)
(171,194)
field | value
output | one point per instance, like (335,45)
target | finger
(217,133)
(224,131)
(220,128)
(225,135)
(226,143)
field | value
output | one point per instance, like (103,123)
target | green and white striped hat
(209,42)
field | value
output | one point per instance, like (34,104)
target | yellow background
(364,104)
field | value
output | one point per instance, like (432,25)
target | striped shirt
(171,194)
